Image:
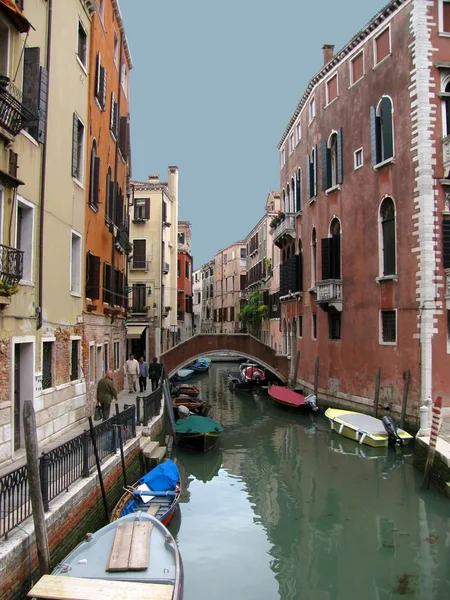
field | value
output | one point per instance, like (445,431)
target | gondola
(195,405)
(183,374)
(198,433)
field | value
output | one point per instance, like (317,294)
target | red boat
(290,399)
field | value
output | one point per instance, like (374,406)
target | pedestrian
(155,371)
(132,371)
(106,393)
(143,374)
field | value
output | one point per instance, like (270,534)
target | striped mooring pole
(435,425)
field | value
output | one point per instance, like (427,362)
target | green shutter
(340,157)
(75,165)
(325,166)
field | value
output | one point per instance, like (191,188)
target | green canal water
(285,509)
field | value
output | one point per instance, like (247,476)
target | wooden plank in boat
(120,552)
(140,546)
(77,588)
(153,509)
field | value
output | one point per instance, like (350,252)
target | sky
(213,87)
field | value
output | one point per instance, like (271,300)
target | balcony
(165,267)
(121,241)
(138,264)
(329,292)
(13,114)
(284,228)
(11,265)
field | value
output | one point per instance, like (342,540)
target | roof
(116,8)
(377,20)
(15,15)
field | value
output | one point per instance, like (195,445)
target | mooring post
(316,376)
(99,469)
(119,429)
(406,376)
(377,393)
(294,376)
(37,505)
(435,425)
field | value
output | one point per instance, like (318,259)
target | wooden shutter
(325,259)
(102,90)
(300,272)
(92,276)
(373,135)
(124,132)
(308,176)
(147,208)
(325,167)
(13,163)
(388,228)
(112,113)
(97,76)
(340,157)
(386,127)
(106,283)
(30,92)
(139,252)
(298,187)
(335,257)
(446,243)
(96,182)
(75,147)
(109,208)
(315,171)
(43,104)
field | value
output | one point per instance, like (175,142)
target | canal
(285,509)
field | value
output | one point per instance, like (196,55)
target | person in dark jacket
(155,371)
(143,374)
(106,393)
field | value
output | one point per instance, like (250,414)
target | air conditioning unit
(275,308)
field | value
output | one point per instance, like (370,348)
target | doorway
(17,405)
(22,386)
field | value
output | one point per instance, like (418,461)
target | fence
(148,406)
(61,467)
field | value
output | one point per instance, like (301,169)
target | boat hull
(202,442)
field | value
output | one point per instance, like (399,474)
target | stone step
(144,442)
(151,449)
(160,454)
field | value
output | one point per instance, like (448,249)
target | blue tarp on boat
(163,477)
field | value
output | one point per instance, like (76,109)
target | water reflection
(323,517)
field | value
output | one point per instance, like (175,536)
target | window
(311,168)
(382,131)
(82,45)
(332,89)
(107,284)
(357,68)
(75,263)
(91,362)
(332,171)
(291,144)
(283,157)
(300,326)
(187,270)
(334,325)
(34,87)
(139,298)
(358,158)
(314,326)
(98,367)
(114,116)
(313,258)
(105,358)
(446,243)
(24,236)
(75,360)
(92,276)
(225,259)
(178,267)
(100,83)
(181,237)
(141,209)
(116,347)
(77,148)
(331,252)
(139,254)
(94,179)
(388,246)
(312,109)
(389,326)
(382,45)
(124,78)
(298,130)
(47,365)
(243,252)
(298,191)
(116,50)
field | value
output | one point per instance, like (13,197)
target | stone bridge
(205,344)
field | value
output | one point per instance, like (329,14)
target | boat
(365,429)
(133,557)
(186,390)
(289,399)
(183,374)
(235,383)
(194,405)
(199,433)
(251,372)
(157,492)
(201,365)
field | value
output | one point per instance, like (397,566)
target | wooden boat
(199,433)
(195,405)
(201,365)
(251,372)
(363,429)
(133,557)
(242,386)
(158,493)
(187,390)
(289,399)
(183,374)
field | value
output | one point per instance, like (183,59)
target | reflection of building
(152,280)
(207,297)
(197,301)
(230,277)
(184,282)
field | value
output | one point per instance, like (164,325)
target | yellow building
(152,268)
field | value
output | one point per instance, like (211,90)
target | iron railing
(61,467)
(148,407)
(13,114)
(11,264)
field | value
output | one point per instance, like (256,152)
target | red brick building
(365,235)
(185,306)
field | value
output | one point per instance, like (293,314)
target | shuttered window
(382,132)
(141,209)
(446,243)
(357,68)
(124,137)
(109,191)
(107,284)
(387,215)
(332,161)
(92,276)
(334,325)
(77,148)
(114,116)
(35,92)
(138,302)
(311,167)
(332,89)
(139,254)
(94,178)
(298,191)
(382,46)
(100,83)
(82,44)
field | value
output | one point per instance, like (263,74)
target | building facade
(230,268)
(207,297)
(106,242)
(184,282)
(152,269)
(365,230)
(196,301)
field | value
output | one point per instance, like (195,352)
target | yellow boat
(361,428)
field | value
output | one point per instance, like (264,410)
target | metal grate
(389,325)
(47,365)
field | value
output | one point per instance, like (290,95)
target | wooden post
(316,376)
(377,393)
(37,505)
(99,469)
(406,376)
(294,376)
(119,431)
(435,424)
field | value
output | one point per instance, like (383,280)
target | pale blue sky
(213,87)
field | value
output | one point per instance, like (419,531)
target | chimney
(328,50)
(153,179)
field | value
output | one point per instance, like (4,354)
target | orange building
(106,222)
(184,282)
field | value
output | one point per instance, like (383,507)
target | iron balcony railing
(13,114)
(11,264)
(61,467)
(285,227)
(329,290)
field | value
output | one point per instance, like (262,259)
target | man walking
(132,371)
(143,374)
(106,393)
(155,373)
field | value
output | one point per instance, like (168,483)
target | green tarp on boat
(196,424)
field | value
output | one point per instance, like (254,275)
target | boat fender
(363,437)
(357,435)
(332,425)
(311,399)
(341,428)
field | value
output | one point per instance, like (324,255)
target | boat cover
(363,423)
(288,396)
(197,424)
(163,477)
(184,373)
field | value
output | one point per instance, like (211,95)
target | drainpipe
(43,174)
(161,295)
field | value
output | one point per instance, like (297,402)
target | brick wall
(70,519)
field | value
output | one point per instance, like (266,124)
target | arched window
(446,111)
(298,194)
(334,250)
(288,340)
(334,158)
(300,267)
(311,173)
(382,131)
(293,199)
(387,230)
(94,177)
(109,197)
(332,168)
(288,199)
(313,258)
(283,202)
